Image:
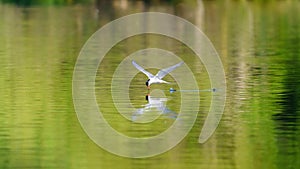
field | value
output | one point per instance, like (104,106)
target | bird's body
(152,79)
(156,80)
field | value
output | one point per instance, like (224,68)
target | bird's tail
(162,81)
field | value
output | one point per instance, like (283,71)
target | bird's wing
(163,72)
(142,69)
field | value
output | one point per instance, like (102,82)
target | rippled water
(259,45)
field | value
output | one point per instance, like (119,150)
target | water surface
(259,45)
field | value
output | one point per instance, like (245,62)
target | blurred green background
(259,45)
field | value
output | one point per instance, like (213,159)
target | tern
(158,77)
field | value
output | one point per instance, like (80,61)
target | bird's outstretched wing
(142,69)
(163,72)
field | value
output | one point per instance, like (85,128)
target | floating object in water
(172,90)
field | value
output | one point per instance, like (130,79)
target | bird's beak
(148,87)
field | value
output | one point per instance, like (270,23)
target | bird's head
(147,83)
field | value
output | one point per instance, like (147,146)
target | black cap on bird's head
(147,82)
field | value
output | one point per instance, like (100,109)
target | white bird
(158,77)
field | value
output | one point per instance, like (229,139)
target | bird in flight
(158,77)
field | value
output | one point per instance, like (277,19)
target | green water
(259,45)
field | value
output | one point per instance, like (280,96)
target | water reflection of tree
(98,2)
(287,121)
(45,2)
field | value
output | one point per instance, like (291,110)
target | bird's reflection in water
(155,107)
